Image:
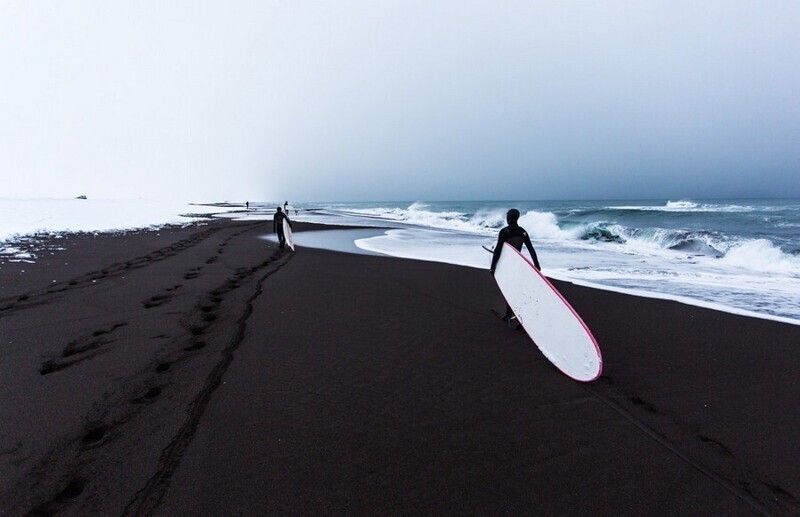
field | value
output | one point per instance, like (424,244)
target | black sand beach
(201,371)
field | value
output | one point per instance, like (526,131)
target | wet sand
(200,370)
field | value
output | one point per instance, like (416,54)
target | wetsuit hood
(512,216)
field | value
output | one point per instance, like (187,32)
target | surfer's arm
(501,239)
(532,251)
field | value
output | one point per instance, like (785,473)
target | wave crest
(763,256)
(684,206)
(542,225)
(681,205)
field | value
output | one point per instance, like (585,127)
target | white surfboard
(287,232)
(547,317)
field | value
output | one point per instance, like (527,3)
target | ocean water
(740,255)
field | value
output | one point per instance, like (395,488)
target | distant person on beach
(286,207)
(277,226)
(515,235)
(247,205)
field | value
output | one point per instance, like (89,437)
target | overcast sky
(405,100)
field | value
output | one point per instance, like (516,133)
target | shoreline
(52,244)
(622,290)
(684,300)
(21,246)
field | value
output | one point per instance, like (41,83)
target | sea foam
(711,252)
(763,256)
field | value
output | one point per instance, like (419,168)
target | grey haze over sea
(737,255)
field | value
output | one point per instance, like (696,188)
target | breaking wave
(739,254)
(483,221)
(686,206)
(753,254)
(763,256)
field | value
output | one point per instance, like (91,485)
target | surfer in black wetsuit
(277,226)
(515,235)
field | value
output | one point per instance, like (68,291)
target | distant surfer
(286,207)
(277,226)
(247,205)
(515,235)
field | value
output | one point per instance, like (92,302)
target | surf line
(664,442)
(149,497)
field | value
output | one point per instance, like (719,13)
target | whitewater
(740,256)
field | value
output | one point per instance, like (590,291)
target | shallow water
(736,255)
